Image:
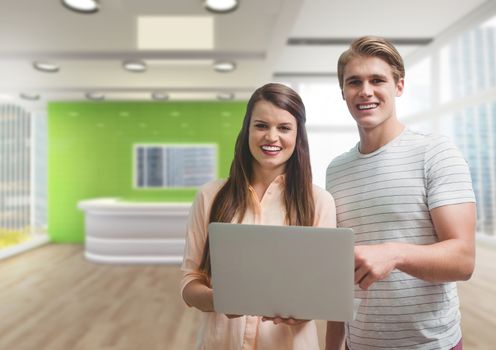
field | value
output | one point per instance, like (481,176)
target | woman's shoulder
(212,187)
(206,194)
(321,194)
(325,208)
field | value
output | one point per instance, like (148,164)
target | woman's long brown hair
(233,199)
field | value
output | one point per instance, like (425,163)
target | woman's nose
(271,134)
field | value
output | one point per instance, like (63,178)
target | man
(409,199)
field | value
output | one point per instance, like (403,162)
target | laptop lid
(287,271)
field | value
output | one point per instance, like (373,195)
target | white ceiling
(90,48)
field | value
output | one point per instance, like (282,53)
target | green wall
(90,151)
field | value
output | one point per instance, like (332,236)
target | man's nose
(366,90)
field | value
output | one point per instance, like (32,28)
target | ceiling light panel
(176,33)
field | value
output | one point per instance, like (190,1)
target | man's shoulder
(424,137)
(343,158)
(428,142)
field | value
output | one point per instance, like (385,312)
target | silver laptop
(287,271)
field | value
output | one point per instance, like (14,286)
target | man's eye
(377,81)
(354,82)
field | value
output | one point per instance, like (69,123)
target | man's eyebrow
(373,76)
(353,77)
(380,76)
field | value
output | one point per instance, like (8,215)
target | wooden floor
(51,298)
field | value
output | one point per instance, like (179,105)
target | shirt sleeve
(447,175)
(196,235)
(325,209)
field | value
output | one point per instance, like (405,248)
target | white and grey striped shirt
(385,196)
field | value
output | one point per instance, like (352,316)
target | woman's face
(272,137)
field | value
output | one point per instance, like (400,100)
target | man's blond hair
(372,46)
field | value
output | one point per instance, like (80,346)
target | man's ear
(400,85)
(342,94)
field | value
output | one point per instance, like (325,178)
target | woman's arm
(198,295)
(195,290)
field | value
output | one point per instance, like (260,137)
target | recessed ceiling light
(46,67)
(225,96)
(29,96)
(82,6)
(95,96)
(160,95)
(224,66)
(221,6)
(134,66)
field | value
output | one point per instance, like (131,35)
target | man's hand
(373,263)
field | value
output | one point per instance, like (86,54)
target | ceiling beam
(134,54)
(347,41)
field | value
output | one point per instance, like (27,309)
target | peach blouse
(218,332)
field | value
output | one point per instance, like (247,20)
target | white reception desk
(134,232)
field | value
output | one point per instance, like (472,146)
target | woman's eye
(285,128)
(260,126)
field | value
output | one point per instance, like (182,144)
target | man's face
(369,90)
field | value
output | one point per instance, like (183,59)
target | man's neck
(373,139)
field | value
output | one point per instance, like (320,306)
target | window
(330,128)
(22,194)
(466,109)
(324,103)
(174,166)
(417,94)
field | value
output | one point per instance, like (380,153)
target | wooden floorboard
(52,298)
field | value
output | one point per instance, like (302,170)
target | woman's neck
(262,179)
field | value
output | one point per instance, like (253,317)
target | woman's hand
(289,321)
(229,316)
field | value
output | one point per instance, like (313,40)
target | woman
(270,182)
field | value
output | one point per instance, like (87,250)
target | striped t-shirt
(385,196)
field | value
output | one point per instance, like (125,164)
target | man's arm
(334,335)
(450,259)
